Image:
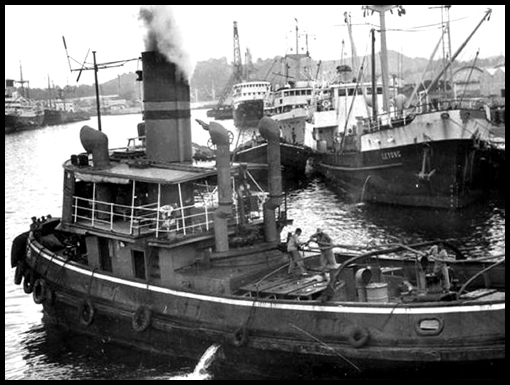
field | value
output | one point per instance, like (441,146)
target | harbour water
(33,187)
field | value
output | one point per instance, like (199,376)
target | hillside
(211,76)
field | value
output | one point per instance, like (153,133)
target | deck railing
(407,113)
(162,220)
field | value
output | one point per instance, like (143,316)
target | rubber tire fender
(358,336)
(39,290)
(28,282)
(19,248)
(240,337)
(142,319)
(18,273)
(86,312)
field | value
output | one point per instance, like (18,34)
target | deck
(287,286)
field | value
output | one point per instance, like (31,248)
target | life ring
(358,336)
(18,273)
(39,290)
(141,319)
(240,337)
(86,312)
(28,282)
(326,104)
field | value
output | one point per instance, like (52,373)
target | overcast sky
(33,34)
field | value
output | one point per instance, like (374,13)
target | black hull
(14,123)
(293,157)
(248,113)
(220,113)
(261,332)
(453,177)
(187,340)
(55,117)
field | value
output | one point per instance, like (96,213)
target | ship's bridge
(132,199)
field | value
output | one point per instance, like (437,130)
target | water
(33,187)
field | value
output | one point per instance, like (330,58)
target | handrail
(147,218)
(409,112)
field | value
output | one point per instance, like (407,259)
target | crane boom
(237,69)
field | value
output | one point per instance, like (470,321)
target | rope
(326,346)
(477,275)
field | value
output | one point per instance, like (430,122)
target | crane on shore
(223,110)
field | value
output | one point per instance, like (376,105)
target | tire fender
(142,319)
(358,336)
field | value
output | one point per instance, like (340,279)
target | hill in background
(211,76)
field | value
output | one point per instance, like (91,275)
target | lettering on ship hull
(385,155)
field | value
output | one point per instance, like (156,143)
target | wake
(200,372)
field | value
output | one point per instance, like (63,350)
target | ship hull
(55,117)
(355,336)
(293,157)
(14,123)
(427,163)
(247,113)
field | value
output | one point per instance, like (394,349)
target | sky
(33,34)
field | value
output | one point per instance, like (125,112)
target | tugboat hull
(353,335)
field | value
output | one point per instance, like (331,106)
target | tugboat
(157,253)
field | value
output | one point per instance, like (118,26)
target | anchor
(423,174)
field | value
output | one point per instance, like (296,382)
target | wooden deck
(287,286)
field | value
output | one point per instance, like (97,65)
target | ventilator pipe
(95,142)
(362,278)
(269,130)
(140,128)
(219,137)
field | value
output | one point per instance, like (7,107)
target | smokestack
(219,137)
(269,130)
(166,110)
(96,143)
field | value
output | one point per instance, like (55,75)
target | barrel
(377,292)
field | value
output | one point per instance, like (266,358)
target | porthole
(429,326)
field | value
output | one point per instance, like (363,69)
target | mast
(447,46)
(298,58)
(98,103)
(22,82)
(459,50)
(49,93)
(382,9)
(374,82)
(355,62)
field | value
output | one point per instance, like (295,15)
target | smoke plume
(162,34)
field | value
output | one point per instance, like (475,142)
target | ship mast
(355,60)
(95,67)
(436,79)
(22,82)
(447,46)
(374,83)
(382,9)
